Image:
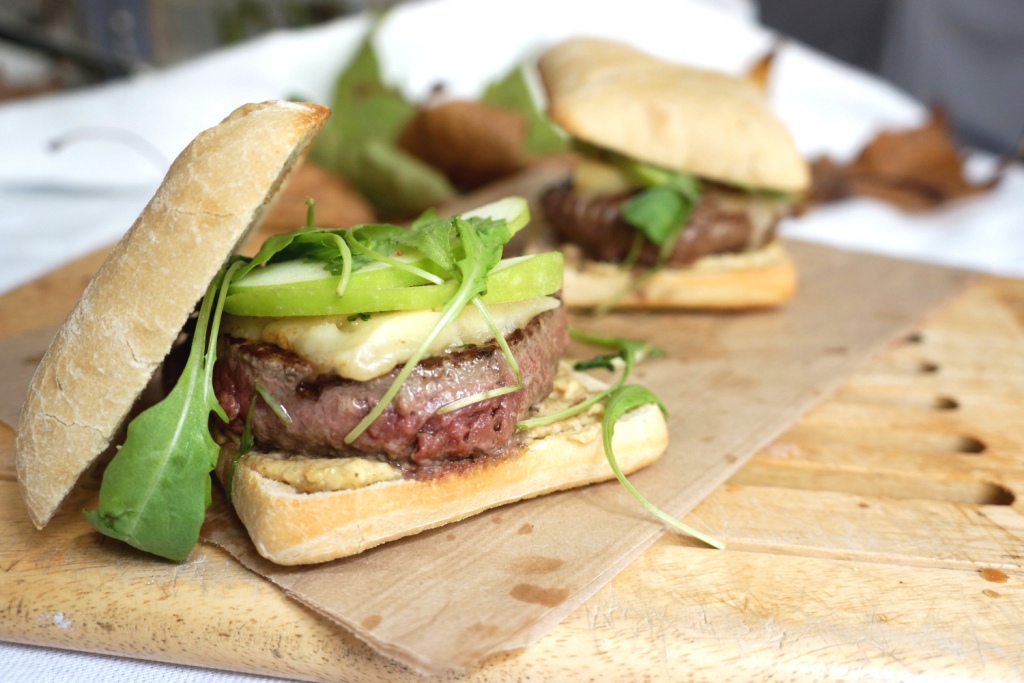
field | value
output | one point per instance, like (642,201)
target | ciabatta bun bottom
(757,279)
(290,528)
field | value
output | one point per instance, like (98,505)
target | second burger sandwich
(683,176)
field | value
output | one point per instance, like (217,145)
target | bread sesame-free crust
(702,122)
(762,278)
(133,309)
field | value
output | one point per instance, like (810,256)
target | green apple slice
(512,279)
(376,274)
(515,211)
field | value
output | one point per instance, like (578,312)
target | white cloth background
(57,206)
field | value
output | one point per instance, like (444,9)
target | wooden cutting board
(881,536)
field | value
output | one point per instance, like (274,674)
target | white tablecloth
(56,206)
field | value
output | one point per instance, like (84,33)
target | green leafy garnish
(245,444)
(482,248)
(658,212)
(649,175)
(352,238)
(663,208)
(621,401)
(509,358)
(629,350)
(619,398)
(156,490)
(247,441)
(313,245)
(628,353)
(431,236)
(274,405)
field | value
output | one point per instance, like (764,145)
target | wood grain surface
(880,537)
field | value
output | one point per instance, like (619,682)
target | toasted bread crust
(133,309)
(701,122)
(289,527)
(757,279)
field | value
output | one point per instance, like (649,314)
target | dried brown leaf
(760,72)
(915,169)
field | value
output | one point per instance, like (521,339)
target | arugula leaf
(378,237)
(660,212)
(431,236)
(272,403)
(636,348)
(662,208)
(620,401)
(327,247)
(481,252)
(630,351)
(649,175)
(245,444)
(156,490)
(305,244)
(604,362)
(247,441)
(362,250)
(657,212)
(621,398)
(509,358)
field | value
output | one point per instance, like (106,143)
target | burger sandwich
(348,387)
(682,179)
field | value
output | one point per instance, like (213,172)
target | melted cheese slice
(363,349)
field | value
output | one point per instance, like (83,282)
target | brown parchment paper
(448,598)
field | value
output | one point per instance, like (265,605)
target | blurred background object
(963,55)
(55,44)
(966,56)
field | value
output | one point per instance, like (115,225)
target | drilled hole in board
(870,396)
(927,367)
(998,495)
(890,440)
(968,444)
(6,452)
(901,486)
(914,338)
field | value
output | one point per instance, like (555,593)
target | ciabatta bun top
(701,122)
(104,355)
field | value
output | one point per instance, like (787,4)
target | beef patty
(723,221)
(325,407)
